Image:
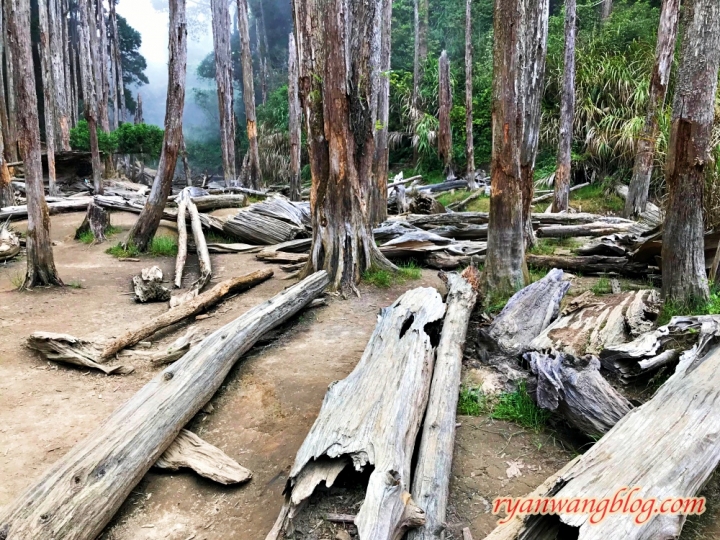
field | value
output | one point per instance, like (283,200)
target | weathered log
(233,248)
(170,354)
(403,181)
(585,229)
(148,286)
(96,221)
(9,243)
(448,185)
(422,202)
(590,264)
(442,260)
(538,219)
(70,204)
(257,228)
(282,208)
(81,492)
(431,488)
(528,313)
(208,203)
(549,196)
(71,350)
(462,231)
(282,257)
(574,388)
(188,451)
(388,387)
(391,229)
(182,242)
(643,454)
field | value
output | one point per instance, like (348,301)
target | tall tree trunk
(340,102)
(445,104)
(689,151)
(253,173)
(567,115)
(139,119)
(505,261)
(378,190)
(295,120)
(49,92)
(68,63)
(186,164)
(421,12)
(146,226)
(119,84)
(97,40)
(637,198)
(4,120)
(59,95)
(605,9)
(536,14)
(469,145)
(40,262)
(263,49)
(89,91)
(7,194)
(223,77)
(11,145)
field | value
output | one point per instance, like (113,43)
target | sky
(150,18)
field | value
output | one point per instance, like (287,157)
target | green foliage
(87,237)
(597,199)
(472,402)
(133,63)
(385,279)
(80,139)
(700,307)
(519,407)
(75,284)
(602,286)
(123,252)
(161,246)
(144,139)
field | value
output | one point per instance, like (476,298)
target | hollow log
(70,204)
(590,264)
(96,221)
(81,492)
(388,387)
(431,488)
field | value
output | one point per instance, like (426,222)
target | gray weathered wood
(182,241)
(148,286)
(97,221)
(9,243)
(75,204)
(590,264)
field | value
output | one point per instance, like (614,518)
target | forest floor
(260,415)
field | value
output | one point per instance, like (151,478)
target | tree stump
(97,221)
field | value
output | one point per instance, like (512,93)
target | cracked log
(591,264)
(81,492)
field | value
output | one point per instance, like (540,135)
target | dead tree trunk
(40,262)
(469,146)
(505,264)
(567,114)
(49,92)
(7,194)
(421,19)
(182,239)
(117,60)
(11,144)
(96,221)
(295,120)
(59,97)
(254,173)
(97,44)
(223,78)
(689,150)
(445,99)
(378,193)
(665,51)
(535,44)
(144,229)
(341,109)
(186,163)
(79,495)
(4,127)
(605,9)
(139,110)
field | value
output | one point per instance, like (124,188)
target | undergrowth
(385,279)
(87,237)
(548,246)
(602,286)
(517,407)
(674,309)
(161,246)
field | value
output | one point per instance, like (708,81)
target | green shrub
(519,407)
(385,279)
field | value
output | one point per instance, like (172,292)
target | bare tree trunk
(340,103)
(139,110)
(254,174)
(422,16)
(263,47)
(469,146)
(378,191)
(665,51)
(295,120)
(49,93)
(4,120)
(119,84)
(11,145)
(146,226)
(186,164)
(445,104)
(505,262)
(96,19)
(59,95)
(536,14)
(567,115)
(223,77)
(90,91)
(40,262)
(68,64)
(605,9)
(683,254)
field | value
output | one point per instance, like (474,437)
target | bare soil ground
(259,417)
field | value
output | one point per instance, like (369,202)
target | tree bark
(505,267)
(295,120)
(223,78)
(139,110)
(40,262)
(445,104)
(49,92)
(59,97)
(254,174)
(642,172)
(567,114)
(119,84)
(186,163)
(11,144)
(340,101)
(469,146)
(4,120)
(97,44)
(689,151)
(421,18)
(146,226)
(605,9)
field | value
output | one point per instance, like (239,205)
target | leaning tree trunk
(379,192)
(683,255)
(40,262)
(637,198)
(505,262)
(146,226)
(49,93)
(445,99)
(536,16)
(567,113)
(254,174)
(295,119)
(469,146)
(341,106)
(223,77)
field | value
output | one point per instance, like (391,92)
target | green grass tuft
(121,252)
(17,280)
(472,402)
(75,284)
(519,407)
(673,309)
(602,286)
(163,246)
(596,200)
(86,237)
(385,279)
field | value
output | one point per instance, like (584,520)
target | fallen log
(448,185)
(282,208)
(539,219)
(188,451)
(182,241)
(431,488)
(81,492)
(71,350)
(661,449)
(282,257)
(422,202)
(403,182)
(590,264)
(233,248)
(388,387)
(549,196)
(584,229)
(574,388)
(70,204)
(458,206)
(260,229)
(96,221)
(9,243)
(203,258)
(463,231)
(208,203)
(391,229)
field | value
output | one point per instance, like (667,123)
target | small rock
(342,534)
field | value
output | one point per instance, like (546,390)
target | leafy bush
(139,139)
(80,139)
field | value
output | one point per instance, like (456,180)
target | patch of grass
(548,246)
(536,274)
(595,200)
(121,252)
(112,230)
(86,237)
(17,280)
(602,286)
(163,246)
(215,237)
(75,284)
(673,309)
(519,407)
(384,279)
(472,402)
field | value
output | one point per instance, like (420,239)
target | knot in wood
(167,376)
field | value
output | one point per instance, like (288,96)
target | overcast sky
(150,18)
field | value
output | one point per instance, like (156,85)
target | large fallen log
(182,241)
(208,203)
(663,449)
(591,264)
(539,219)
(585,229)
(81,492)
(282,208)
(71,204)
(9,243)
(463,231)
(448,185)
(431,487)
(256,228)
(371,419)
